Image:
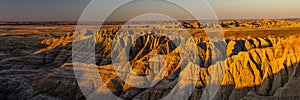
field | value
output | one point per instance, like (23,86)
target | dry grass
(21,40)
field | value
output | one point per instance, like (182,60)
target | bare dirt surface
(262,61)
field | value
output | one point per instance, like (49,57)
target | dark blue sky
(70,10)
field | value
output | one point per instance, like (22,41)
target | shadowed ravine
(255,68)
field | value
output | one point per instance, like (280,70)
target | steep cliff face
(262,70)
(254,65)
(259,68)
(249,67)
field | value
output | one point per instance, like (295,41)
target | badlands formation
(246,66)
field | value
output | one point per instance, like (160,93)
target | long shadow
(266,90)
(270,86)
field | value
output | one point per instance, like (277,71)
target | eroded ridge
(262,68)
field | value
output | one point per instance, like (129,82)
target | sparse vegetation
(259,53)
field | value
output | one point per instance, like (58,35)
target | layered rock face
(249,68)
(254,67)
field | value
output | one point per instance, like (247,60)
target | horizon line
(223,19)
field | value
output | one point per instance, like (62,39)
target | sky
(70,10)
